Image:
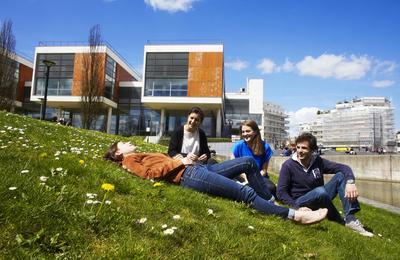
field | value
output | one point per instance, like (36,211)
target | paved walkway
(380,205)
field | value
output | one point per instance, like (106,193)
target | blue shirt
(240,149)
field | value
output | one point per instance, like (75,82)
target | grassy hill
(48,177)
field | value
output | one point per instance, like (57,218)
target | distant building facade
(315,127)
(245,104)
(365,123)
(275,124)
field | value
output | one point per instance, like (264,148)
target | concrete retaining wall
(365,167)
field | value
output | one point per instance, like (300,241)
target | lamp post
(48,64)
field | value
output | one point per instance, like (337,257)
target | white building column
(109,117)
(218,124)
(162,122)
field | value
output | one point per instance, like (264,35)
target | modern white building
(175,77)
(365,123)
(315,127)
(275,125)
(245,104)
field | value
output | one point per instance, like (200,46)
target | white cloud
(266,66)
(171,6)
(237,65)
(303,115)
(382,83)
(334,66)
(384,67)
(287,66)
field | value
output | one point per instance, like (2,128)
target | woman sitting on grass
(252,145)
(215,179)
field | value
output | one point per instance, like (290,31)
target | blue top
(241,149)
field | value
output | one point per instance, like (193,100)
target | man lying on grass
(301,184)
(213,179)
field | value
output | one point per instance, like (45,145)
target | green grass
(52,219)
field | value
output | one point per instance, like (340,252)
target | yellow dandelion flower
(107,187)
(157,184)
(43,155)
(81,162)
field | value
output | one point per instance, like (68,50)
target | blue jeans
(216,179)
(321,197)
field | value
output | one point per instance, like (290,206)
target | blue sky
(311,54)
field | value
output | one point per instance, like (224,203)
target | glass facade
(237,110)
(60,76)
(134,119)
(166,74)
(111,67)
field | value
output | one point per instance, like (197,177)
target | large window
(60,76)
(166,74)
(110,78)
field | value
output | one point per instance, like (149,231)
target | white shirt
(191,142)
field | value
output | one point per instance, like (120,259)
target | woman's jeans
(216,179)
(321,197)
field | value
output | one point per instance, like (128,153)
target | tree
(92,80)
(8,65)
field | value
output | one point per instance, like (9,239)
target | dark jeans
(321,197)
(216,179)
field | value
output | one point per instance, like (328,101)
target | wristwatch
(350,181)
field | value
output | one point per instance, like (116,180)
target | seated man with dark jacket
(301,184)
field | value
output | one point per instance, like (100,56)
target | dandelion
(81,162)
(157,184)
(24,171)
(107,187)
(176,217)
(42,155)
(210,212)
(168,231)
(43,178)
(164,226)
(142,220)
(12,188)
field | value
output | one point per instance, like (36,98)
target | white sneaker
(358,227)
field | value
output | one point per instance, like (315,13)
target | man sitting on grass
(301,184)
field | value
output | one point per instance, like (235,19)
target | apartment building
(275,124)
(365,123)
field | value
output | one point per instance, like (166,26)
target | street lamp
(48,64)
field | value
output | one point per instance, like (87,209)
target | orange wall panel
(121,75)
(205,74)
(25,74)
(78,72)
